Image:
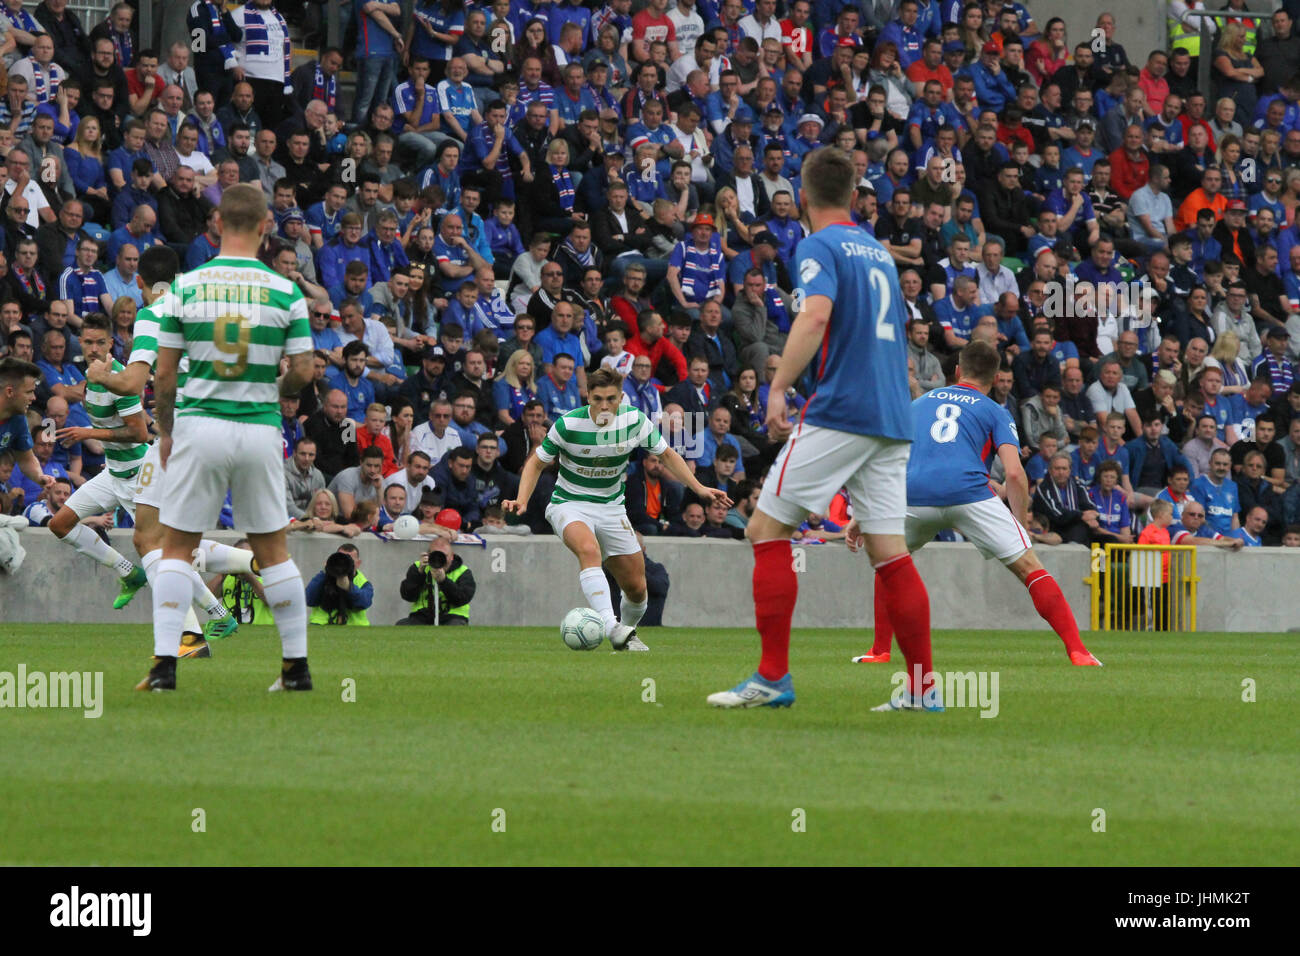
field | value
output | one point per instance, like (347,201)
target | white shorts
(103,493)
(210,455)
(150,480)
(988,524)
(817,462)
(609,523)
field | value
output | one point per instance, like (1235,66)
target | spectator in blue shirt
(717,435)
(557,390)
(560,336)
(1218,493)
(993,90)
(135,195)
(83,284)
(903,33)
(351,379)
(376,55)
(958,312)
(1114,520)
(697,269)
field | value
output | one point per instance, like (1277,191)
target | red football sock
(908,607)
(1053,608)
(884,631)
(776,588)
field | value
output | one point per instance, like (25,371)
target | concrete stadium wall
(533,581)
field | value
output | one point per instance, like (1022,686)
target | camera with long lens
(437,560)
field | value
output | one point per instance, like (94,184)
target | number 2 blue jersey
(860,370)
(956,433)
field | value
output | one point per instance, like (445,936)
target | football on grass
(582,629)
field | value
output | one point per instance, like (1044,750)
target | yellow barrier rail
(1143,587)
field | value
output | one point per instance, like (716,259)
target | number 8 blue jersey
(860,370)
(956,433)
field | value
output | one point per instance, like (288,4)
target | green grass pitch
(449,729)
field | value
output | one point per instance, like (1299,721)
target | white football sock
(172,591)
(630,613)
(224,559)
(149,561)
(596,589)
(206,600)
(191,625)
(287,598)
(92,546)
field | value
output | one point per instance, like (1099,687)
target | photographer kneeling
(440,587)
(340,594)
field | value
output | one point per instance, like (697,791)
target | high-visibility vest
(1184,37)
(243,603)
(423,600)
(355,616)
(1250,32)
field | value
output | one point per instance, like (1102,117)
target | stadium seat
(1013,263)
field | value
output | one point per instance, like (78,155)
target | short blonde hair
(243,208)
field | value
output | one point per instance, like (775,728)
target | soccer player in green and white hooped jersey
(118,422)
(158,268)
(593,445)
(235,319)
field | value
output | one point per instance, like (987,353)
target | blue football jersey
(860,371)
(1221,501)
(15,436)
(956,433)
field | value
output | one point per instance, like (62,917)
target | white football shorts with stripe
(103,493)
(609,523)
(150,480)
(987,524)
(210,455)
(817,462)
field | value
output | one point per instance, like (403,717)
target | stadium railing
(1143,587)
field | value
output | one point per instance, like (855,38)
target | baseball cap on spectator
(765,239)
(702,219)
(598,60)
(866,185)
(811,118)
(1277,332)
(954,46)
(1085,122)
(847,41)
(1236,205)
(743,119)
(773,108)
(435,352)
(449,518)
(990,47)
(295,213)
(612,150)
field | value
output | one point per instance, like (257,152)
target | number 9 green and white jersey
(234,318)
(593,459)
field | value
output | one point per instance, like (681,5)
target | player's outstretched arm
(527,482)
(800,346)
(130,381)
(30,466)
(1017,483)
(678,468)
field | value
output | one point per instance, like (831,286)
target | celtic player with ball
(594,444)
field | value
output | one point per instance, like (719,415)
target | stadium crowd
(519,193)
